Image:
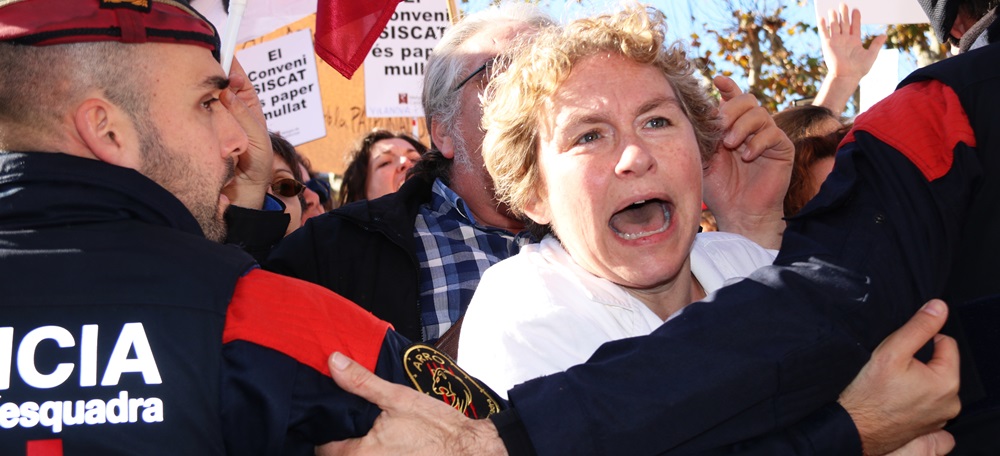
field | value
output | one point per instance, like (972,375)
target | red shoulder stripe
(924,121)
(302,320)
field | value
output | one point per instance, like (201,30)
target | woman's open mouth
(641,219)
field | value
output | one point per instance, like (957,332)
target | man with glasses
(434,238)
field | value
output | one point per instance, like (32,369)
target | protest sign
(283,71)
(394,69)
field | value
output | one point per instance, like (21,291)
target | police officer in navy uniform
(125,327)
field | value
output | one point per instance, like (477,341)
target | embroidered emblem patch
(436,374)
(138,5)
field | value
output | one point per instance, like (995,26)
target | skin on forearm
(835,92)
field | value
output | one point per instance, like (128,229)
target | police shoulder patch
(436,374)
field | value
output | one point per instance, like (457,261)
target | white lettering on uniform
(132,336)
(26,357)
(6,350)
(88,355)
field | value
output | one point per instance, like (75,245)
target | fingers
(824,28)
(946,356)
(941,442)
(835,27)
(855,19)
(727,88)
(357,380)
(878,42)
(240,84)
(743,120)
(918,330)
(337,448)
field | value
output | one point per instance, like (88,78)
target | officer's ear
(108,132)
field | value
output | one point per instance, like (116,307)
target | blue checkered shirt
(454,252)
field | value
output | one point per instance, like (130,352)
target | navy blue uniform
(124,331)
(906,201)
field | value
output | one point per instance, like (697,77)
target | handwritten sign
(283,71)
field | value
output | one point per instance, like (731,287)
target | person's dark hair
(808,151)
(284,149)
(803,121)
(356,175)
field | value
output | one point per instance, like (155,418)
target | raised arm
(846,58)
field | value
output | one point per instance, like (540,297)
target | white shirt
(538,312)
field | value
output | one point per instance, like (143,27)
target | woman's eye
(590,136)
(658,122)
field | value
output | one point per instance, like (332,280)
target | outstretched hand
(747,178)
(253,168)
(847,59)
(411,423)
(897,398)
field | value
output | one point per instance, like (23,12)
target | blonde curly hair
(532,73)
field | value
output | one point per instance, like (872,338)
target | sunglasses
(287,187)
(486,66)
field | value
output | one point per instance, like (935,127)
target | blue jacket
(879,240)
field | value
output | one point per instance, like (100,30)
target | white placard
(881,80)
(283,71)
(394,69)
(879,12)
(261,16)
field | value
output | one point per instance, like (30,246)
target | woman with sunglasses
(286,182)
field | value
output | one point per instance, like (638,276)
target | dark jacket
(381,271)
(127,332)
(874,245)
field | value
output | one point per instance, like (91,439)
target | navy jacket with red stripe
(124,331)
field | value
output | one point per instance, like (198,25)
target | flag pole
(236,10)
(453,12)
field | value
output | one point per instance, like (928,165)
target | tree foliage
(776,59)
(754,43)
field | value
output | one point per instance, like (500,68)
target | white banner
(394,69)
(881,81)
(880,12)
(283,71)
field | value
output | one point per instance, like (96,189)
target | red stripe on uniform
(302,320)
(924,121)
(52,447)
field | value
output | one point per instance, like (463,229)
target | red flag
(347,29)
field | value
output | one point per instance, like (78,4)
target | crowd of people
(178,283)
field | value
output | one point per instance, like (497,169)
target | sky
(711,12)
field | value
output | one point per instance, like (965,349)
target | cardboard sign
(394,69)
(284,73)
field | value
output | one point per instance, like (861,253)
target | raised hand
(847,60)
(253,170)
(747,178)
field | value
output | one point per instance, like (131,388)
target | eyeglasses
(287,187)
(486,66)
